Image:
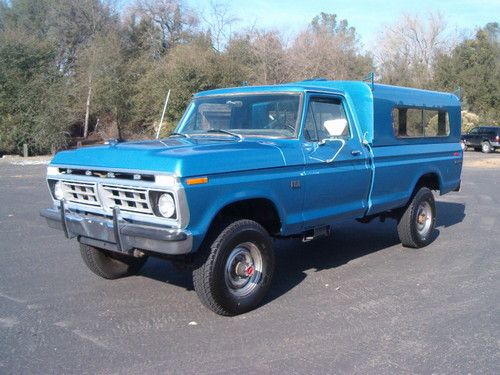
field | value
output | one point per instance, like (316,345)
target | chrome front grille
(80,192)
(127,198)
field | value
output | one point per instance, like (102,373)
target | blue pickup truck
(249,164)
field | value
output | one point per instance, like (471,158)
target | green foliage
(32,101)
(328,23)
(469,121)
(474,66)
(65,63)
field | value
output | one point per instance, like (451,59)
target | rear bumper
(116,234)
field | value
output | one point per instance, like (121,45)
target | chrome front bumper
(116,234)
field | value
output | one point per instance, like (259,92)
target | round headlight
(58,190)
(166,205)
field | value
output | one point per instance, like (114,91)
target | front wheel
(486,147)
(237,270)
(110,265)
(417,223)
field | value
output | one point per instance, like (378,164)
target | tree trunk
(87,109)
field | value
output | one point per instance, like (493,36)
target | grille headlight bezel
(58,190)
(166,205)
(153,190)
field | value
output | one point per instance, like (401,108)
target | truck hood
(180,156)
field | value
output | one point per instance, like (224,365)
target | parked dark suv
(484,138)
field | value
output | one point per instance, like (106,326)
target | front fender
(207,200)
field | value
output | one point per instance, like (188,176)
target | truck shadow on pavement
(294,259)
(349,240)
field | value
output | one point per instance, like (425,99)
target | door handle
(355,152)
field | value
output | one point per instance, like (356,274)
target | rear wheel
(110,265)
(486,147)
(417,223)
(237,269)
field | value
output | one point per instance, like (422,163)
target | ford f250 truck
(249,164)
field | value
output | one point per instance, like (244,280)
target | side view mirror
(336,128)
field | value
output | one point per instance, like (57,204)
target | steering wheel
(279,124)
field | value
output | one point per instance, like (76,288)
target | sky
(368,17)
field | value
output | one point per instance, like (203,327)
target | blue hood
(181,156)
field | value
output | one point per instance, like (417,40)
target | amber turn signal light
(197,180)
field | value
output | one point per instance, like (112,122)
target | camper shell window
(411,122)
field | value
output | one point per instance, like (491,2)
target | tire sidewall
(109,265)
(222,293)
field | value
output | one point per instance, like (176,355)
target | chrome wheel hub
(243,269)
(424,219)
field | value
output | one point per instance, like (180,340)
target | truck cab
(249,164)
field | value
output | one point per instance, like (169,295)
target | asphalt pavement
(354,303)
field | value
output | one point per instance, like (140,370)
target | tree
(474,65)
(113,86)
(185,70)
(219,22)
(67,63)
(469,121)
(27,15)
(407,49)
(271,62)
(174,22)
(76,25)
(329,48)
(33,103)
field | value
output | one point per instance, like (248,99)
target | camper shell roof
(371,105)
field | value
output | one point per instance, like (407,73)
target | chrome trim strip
(116,228)
(63,219)
(104,169)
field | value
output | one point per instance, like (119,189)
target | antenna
(162,115)
(370,78)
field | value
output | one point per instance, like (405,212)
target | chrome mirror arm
(342,144)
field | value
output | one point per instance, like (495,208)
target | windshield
(269,115)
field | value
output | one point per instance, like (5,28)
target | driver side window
(325,119)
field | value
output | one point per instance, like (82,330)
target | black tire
(216,280)
(486,147)
(415,227)
(110,265)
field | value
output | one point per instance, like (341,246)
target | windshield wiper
(225,132)
(179,134)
